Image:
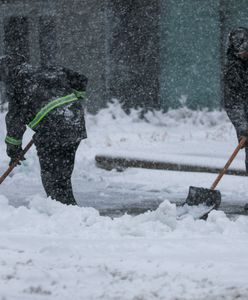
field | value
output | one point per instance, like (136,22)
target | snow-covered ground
(50,251)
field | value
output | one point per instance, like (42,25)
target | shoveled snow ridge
(45,216)
(55,251)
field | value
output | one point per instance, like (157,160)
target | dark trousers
(246,159)
(57,163)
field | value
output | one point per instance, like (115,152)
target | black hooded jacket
(236,82)
(30,89)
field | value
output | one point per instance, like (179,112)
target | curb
(120,163)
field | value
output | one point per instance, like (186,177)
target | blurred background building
(149,53)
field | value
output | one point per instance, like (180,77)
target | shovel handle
(223,171)
(12,166)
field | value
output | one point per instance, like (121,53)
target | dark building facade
(69,33)
(148,53)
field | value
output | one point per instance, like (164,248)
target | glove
(245,145)
(14,152)
(243,134)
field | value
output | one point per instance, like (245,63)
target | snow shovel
(12,166)
(211,197)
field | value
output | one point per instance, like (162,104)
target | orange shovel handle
(230,160)
(11,167)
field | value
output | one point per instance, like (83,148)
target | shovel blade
(198,195)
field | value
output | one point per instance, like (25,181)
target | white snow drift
(51,251)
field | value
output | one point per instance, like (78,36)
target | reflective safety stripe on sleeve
(79,94)
(12,141)
(54,104)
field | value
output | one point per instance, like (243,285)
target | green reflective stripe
(80,94)
(13,141)
(50,106)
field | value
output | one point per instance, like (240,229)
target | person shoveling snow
(49,101)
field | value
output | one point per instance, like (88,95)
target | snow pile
(48,249)
(51,251)
(44,216)
(113,129)
(158,126)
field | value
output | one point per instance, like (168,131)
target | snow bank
(156,127)
(45,216)
(112,129)
(57,252)
(50,251)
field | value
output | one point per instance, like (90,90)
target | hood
(237,43)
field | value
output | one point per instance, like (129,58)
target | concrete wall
(190,53)
(134,52)
(82,44)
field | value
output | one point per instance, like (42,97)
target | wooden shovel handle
(223,171)
(11,167)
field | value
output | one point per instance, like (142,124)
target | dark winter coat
(236,87)
(30,89)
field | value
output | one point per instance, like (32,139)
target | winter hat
(238,40)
